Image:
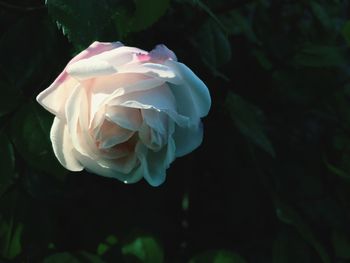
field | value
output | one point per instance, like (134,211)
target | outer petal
(159,98)
(54,97)
(154,164)
(192,95)
(161,53)
(62,146)
(103,64)
(104,169)
(187,139)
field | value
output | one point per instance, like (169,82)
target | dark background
(271,181)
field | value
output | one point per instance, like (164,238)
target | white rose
(125,113)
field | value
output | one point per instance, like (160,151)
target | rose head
(125,113)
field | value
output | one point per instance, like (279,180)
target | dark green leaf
(289,247)
(217,256)
(321,14)
(7,163)
(346,32)
(236,23)
(144,248)
(214,47)
(147,13)
(319,56)
(337,171)
(90,258)
(341,244)
(262,59)
(211,14)
(30,131)
(25,66)
(290,216)
(84,22)
(11,224)
(63,257)
(247,119)
(10,98)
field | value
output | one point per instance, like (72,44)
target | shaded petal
(150,138)
(62,146)
(157,120)
(128,118)
(104,168)
(192,95)
(111,134)
(154,164)
(162,53)
(153,70)
(72,110)
(187,139)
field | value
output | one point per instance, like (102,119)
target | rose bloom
(125,113)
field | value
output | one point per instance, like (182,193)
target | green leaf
(66,257)
(63,257)
(211,14)
(290,216)
(7,163)
(236,23)
(30,129)
(11,226)
(335,170)
(319,56)
(248,120)
(341,244)
(320,12)
(289,247)
(346,32)
(217,256)
(90,258)
(10,96)
(262,59)
(144,248)
(104,247)
(84,22)
(27,66)
(148,12)
(213,45)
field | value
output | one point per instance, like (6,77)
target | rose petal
(54,97)
(153,70)
(104,168)
(111,134)
(154,164)
(192,95)
(63,147)
(187,139)
(150,138)
(159,98)
(161,53)
(157,120)
(128,118)
(108,88)
(103,64)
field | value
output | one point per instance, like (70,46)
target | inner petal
(128,118)
(111,134)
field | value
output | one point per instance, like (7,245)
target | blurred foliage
(271,181)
